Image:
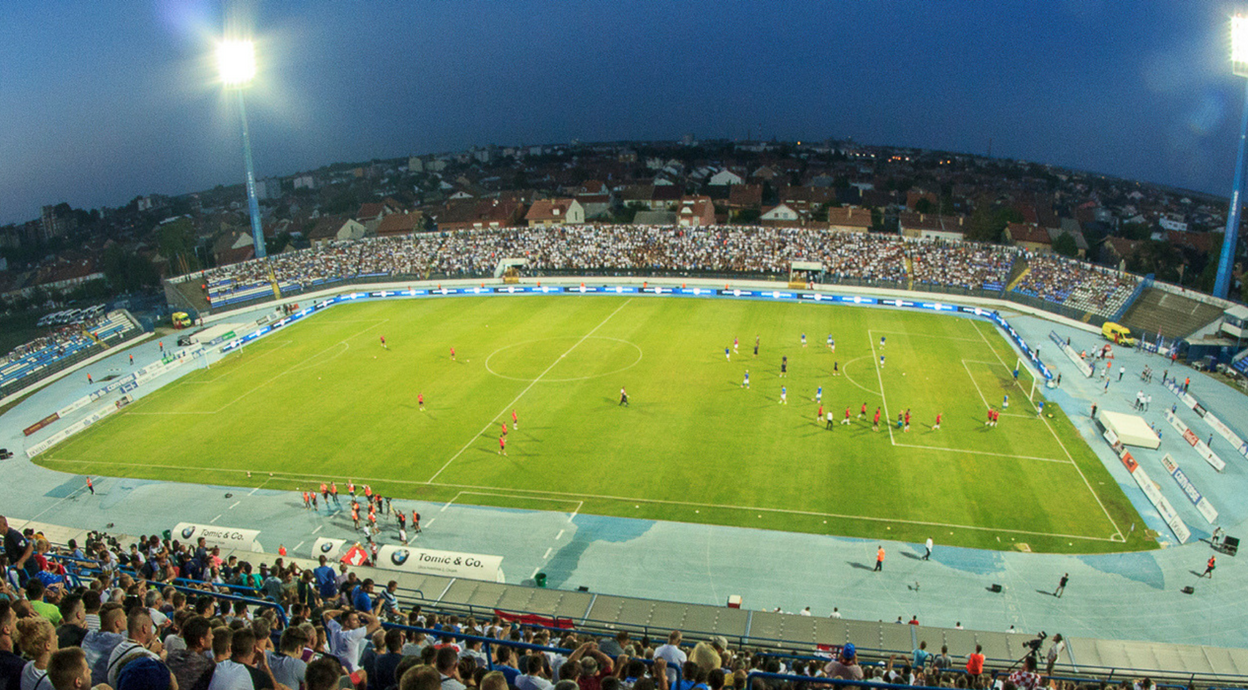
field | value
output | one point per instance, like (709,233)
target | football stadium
(589,455)
(707,407)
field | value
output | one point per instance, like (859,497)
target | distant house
(849,219)
(546,212)
(398,224)
(745,196)
(333,228)
(481,214)
(370,214)
(781,215)
(931,226)
(695,211)
(233,247)
(1116,250)
(1028,236)
(665,197)
(1070,225)
(725,177)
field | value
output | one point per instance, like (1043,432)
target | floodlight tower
(237,63)
(1239,64)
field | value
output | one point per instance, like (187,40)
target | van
(1118,334)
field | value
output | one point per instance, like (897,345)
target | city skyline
(1141,92)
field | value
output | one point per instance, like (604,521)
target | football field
(322,399)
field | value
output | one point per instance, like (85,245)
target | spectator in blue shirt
(361,597)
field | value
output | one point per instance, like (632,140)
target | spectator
(99,644)
(190,663)
(592,666)
(420,678)
(1026,678)
(846,666)
(533,678)
(91,609)
(73,621)
(35,594)
(385,665)
(139,642)
(68,670)
(11,664)
(37,639)
(347,639)
(975,662)
(504,661)
(145,673)
(672,654)
(245,669)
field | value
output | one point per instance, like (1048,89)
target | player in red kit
(862,414)
(515,420)
(502,445)
(875,423)
(383,343)
(452,354)
(846,420)
(420,400)
(937,424)
(907,427)
(819,415)
(504,428)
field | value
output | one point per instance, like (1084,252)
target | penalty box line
(585,496)
(1096,496)
(527,388)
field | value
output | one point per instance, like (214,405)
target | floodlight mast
(237,63)
(1239,65)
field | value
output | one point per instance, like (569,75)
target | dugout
(1131,429)
(802,273)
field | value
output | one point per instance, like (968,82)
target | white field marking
(557,536)
(318,529)
(888,420)
(845,372)
(784,511)
(55,504)
(981,391)
(547,554)
(234,506)
(214,520)
(271,380)
(1117,530)
(928,335)
(637,361)
(297,546)
(575,512)
(535,572)
(527,388)
(984,452)
(218,377)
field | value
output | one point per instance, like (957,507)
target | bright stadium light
(1239,65)
(236,61)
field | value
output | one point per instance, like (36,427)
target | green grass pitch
(323,399)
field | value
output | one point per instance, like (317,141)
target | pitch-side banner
(474,566)
(70,430)
(1201,447)
(1202,504)
(1072,354)
(1164,508)
(216,535)
(331,549)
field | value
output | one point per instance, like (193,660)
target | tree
(923,205)
(1065,245)
(176,240)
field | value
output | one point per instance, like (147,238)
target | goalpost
(1021,365)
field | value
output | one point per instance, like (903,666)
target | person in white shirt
(347,639)
(672,654)
(139,642)
(928,554)
(804,612)
(835,613)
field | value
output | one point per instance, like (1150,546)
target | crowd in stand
(715,249)
(1062,280)
(106,614)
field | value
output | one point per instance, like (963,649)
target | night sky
(103,101)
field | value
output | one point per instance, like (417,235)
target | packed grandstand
(747,251)
(142,613)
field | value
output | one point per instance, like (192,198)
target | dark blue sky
(103,101)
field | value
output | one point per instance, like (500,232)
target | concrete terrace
(1132,596)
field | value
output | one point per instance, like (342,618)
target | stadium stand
(1063,285)
(66,345)
(1174,316)
(471,628)
(1081,286)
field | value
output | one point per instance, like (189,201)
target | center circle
(557,357)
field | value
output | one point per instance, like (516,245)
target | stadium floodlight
(1239,65)
(236,61)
